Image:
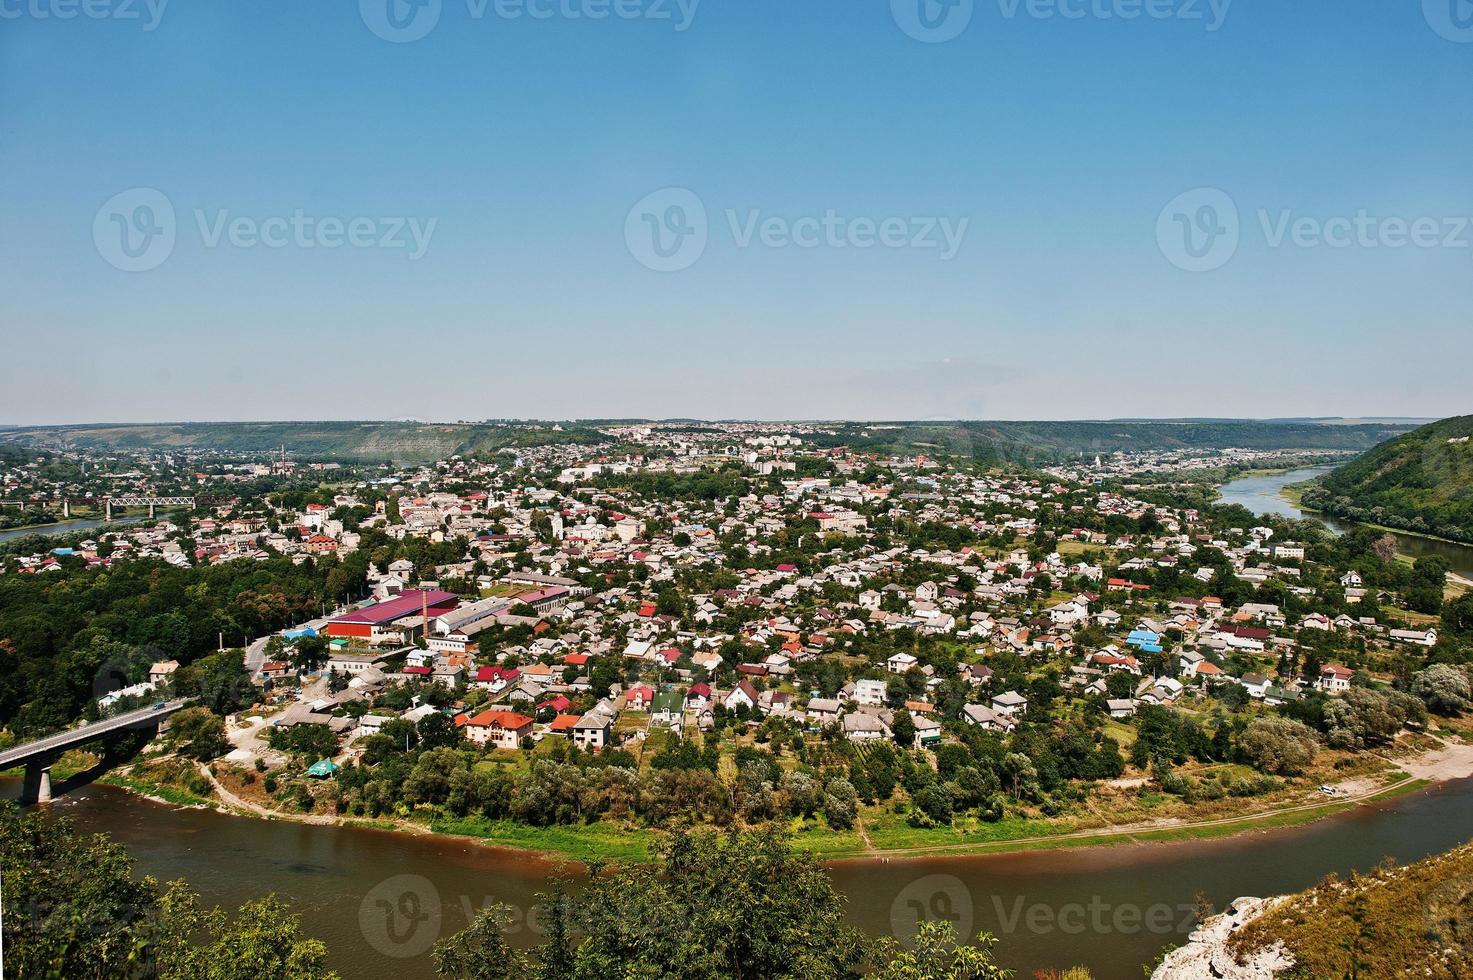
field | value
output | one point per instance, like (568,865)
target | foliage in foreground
(74,910)
(715,906)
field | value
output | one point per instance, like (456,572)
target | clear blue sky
(527,142)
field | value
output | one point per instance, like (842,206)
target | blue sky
(1069,156)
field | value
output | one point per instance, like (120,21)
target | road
(255,654)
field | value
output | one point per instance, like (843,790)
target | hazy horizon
(816,420)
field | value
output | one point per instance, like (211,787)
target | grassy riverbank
(880,834)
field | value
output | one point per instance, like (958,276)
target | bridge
(150,502)
(108,503)
(39,755)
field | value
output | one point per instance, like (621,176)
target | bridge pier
(150,511)
(108,509)
(66,508)
(37,786)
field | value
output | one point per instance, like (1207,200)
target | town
(733,622)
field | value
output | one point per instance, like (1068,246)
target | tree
(479,952)
(72,906)
(715,906)
(263,942)
(840,804)
(74,909)
(437,731)
(1365,717)
(198,733)
(935,955)
(220,681)
(903,728)
(309,653)
(1278,745)
(1444,688)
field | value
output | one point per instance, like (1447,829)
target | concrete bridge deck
(38,756)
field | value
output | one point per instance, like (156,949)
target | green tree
(935,955)
(479,952)
(1278,745)
(904,729)
(198,733)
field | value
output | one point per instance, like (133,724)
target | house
(495,679)
(272,669)
(1010,703)
(698,697)
(563,724)
(928,731)
(1120,707)
(353,662)
(1274,696)
(162,672)
(976,674)
(824,711)
(594,730)
(1423,638)
(639,698)
(667,709)
(743,693)
(864,728)
(900,663)
(1334,679)
(1352,580)
(1255,684)
(986,718)
(498,729)
(869,692)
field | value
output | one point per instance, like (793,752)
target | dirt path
(230,799)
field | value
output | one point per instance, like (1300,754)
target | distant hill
(400,442)
(417,442)
(1040,442)
(1422,481)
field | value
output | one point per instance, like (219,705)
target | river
(1110,908)
(63,527)
(1263,495)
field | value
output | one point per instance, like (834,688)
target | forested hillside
(400,442)
(1422,481)
(417,442)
